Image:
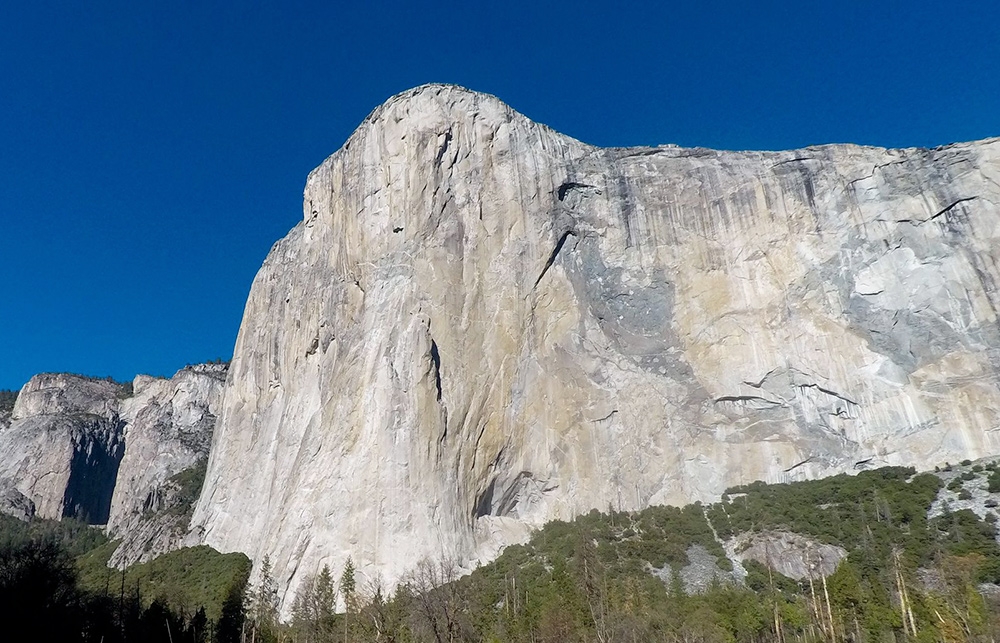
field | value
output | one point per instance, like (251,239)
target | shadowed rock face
(62,448)
(92,471)
(481,325)
(78,447)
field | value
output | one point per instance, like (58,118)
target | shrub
(993,482)
(7,399)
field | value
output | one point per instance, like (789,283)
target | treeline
(54,584)
(905,578)
(604,577)
(7,400)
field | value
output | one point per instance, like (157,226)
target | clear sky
(151,152)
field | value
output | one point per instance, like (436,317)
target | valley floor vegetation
(915,570)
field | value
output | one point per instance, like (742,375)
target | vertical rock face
(481,324)
(92,449)
(62,447)
(168,429)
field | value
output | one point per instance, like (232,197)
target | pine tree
(347,583)
(303,612)
(325,604)
(347,593)
(262,608)
(231,622)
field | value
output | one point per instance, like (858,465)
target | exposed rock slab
(481,325)
(789,554)
(14,503)
(62,447)
(106,453)
(701,572)
(977,496)
(168,429)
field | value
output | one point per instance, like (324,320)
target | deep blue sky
(151,152)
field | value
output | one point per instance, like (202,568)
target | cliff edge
(481,325)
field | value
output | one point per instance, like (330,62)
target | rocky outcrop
(168,430)
(967,486)
(701,572)
(792,555)
(108,453)
(14,503)
(62,447)
(481,325)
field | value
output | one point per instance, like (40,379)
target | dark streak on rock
(829,392)
(762,403)
(436,361)
(799,464)
(794,160)
(444,148)
(950,207)
(555,253)
(570,185)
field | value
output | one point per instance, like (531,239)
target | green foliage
(348,588)
(590,579)
(993,481)
(231,616)
(261,602)
(185,580)
(189,483)
(874,509)
(72,536)
(7,399)
(41,590)
(314,612)
(759,579)
(38,587)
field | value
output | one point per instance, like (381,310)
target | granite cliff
(481,325)
(168,431)
(60,452)
(106,453)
